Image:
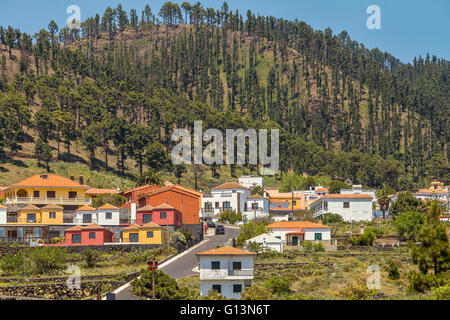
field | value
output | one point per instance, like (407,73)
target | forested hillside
(121,83)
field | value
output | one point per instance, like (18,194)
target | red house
(163,215)
(93,235)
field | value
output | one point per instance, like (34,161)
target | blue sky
(409,27)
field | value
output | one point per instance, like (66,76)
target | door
(295,241)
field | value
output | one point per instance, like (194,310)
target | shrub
(230,217)
(319,247)
(393,273)
(256,292)
(280,286)
(441,293)
(307,245)
(357,291)
(12,264)
(332,218)
(290,254)
(365,239)
(91,257)
(419,282)
(47,259)
(166,288)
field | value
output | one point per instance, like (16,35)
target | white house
(3,215)
(358,189)
(257,207)
(250,181)
(292,232)
(108,215)
(229,196)
(267,242)
(227,270)
(85,215)
(351,207)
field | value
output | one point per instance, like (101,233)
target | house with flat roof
(226,270)
(228,196)
(351,207)
(292,233)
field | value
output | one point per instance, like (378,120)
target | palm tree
(384,201)
(150,177)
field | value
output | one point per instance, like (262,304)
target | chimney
(133,215)
(81,180)
(72,177)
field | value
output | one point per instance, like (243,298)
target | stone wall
(59,291)
(196,230)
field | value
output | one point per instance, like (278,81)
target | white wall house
(229,196)
(257,207)
(249,181)
(351,207)
(3,215)
(108,215)
(299,230)
(358,189)
(85,215)
(267,242)
(227,270)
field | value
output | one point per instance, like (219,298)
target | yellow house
(29,215)
(52,214)
(48,189)
(288,201)
(150,233)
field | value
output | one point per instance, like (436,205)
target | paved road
(183,267)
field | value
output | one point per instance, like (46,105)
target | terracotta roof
(346,196)
(175,188)
(75,228)
(30,207)
(256,196)
(153,187)
(93,192)
(275,193)
(165,206)
(52,181)
(132,227)
(151,225)
(107,206)
(93,227)
(296,225)
(301,231)
(322,190)
(3,188)
(229,186)
(86,208)
(53,206)
(226,251)
(146,208)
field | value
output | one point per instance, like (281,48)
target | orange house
(183,199)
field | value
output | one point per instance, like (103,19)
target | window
(147,218)
(217,205)
(92,235)
(163,215)
(36,194)
(108,215)
(294,202)
(255,206)
(237,265)
(72,195)
(215,265)
(226,205)
(208,206)
(217,287)
(31,218)
(150,234)
(76,238)
(134,237)
(52,215)
(278,237)
(318,236)
(51,194)
(87,218)
(237,288)
(346,205)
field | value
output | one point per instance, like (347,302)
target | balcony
(223,274)
(58,201)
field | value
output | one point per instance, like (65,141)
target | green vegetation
(166,288)
(231,217)
(119,85)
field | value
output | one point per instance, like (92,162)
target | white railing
(224,274)
(60,200)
